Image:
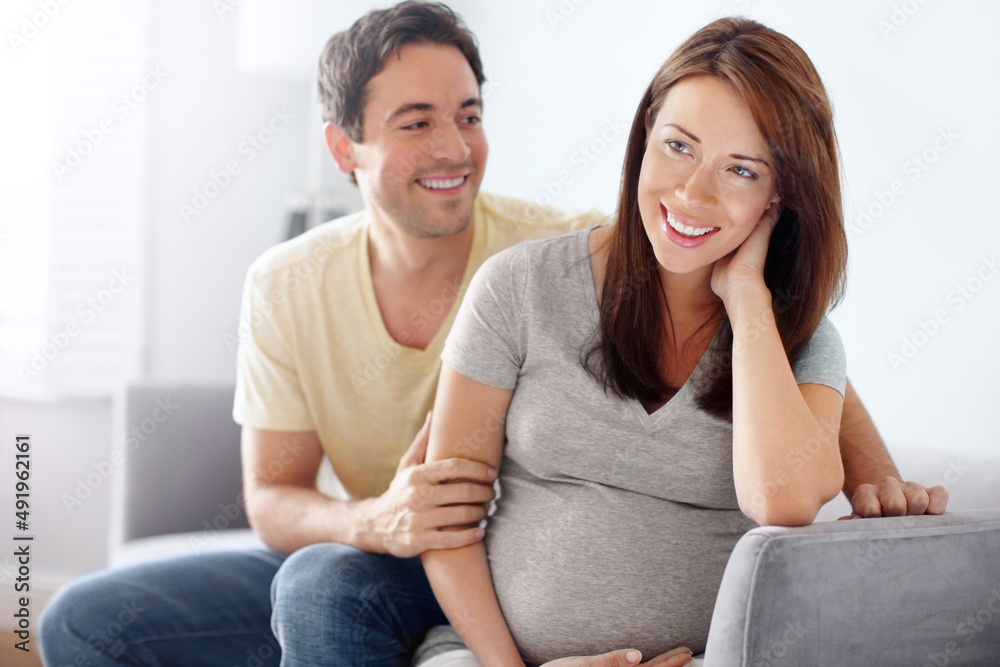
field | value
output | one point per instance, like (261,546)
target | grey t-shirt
(614,525)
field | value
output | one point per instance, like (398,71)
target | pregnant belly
(581,568)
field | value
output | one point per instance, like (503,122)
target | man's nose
(450,144)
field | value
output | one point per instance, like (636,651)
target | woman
(656,387)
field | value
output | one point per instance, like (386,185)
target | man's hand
(677,657)
(890,497)
(430,505)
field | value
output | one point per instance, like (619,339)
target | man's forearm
(866,460)
(288,517)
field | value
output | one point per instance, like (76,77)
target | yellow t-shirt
(314,353)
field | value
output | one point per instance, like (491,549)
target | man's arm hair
(866,460)
(283,505)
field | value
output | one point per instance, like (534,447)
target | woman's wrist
(749,299)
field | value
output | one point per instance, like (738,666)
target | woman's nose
(697,191)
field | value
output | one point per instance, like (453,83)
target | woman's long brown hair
(807,255)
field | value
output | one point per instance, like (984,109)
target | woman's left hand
(744,267)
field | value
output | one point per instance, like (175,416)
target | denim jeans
(327,604)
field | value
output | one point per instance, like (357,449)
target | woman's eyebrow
(735,156)
(693,138)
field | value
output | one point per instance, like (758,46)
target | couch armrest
(921,590)
(181,461)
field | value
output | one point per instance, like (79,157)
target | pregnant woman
(653,389)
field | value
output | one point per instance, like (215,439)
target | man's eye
(472,120)
(415,126)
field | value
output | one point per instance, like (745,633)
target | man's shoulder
(522,220)
(311,248)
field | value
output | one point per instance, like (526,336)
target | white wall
(555,88)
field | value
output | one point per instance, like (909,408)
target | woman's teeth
(687,230)
(441,183)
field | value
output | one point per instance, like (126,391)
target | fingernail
(479,533)
(633,656)
(491,472)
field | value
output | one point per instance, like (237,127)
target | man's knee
(324,570)
(72,622)
(336,578)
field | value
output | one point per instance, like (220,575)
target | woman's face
(706,177)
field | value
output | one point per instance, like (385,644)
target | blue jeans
(327,604)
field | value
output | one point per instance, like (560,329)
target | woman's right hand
(677,657)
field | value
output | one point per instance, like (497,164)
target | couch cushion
(921,590)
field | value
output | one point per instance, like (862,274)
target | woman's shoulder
(823,359)
(537,258)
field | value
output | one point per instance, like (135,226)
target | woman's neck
(690,297)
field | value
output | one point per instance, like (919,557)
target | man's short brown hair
(351,58)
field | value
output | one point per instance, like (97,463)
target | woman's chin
(685,262)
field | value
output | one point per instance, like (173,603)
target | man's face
(423,150)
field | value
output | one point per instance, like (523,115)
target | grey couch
(910,591)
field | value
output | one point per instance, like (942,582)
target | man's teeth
(441,183)
(687,230)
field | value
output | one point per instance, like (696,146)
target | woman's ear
(775,199)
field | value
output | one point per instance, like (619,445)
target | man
(342,361)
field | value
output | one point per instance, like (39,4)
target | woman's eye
(676,146)
(744,172)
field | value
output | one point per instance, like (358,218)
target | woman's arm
(786,457)
(469,422)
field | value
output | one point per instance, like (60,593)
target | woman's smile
(685,232)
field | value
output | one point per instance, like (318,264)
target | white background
(558,74)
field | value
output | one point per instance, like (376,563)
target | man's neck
(416,280)
(400,258)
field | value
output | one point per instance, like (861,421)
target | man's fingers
(891,497)
(453,539)
(917,498)
(460,493)
(417,451)
(449,470)
(938,500)
(865,502)
(454,515)
(678,657)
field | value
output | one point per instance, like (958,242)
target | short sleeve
(485,342)
(822,360)
(269,392)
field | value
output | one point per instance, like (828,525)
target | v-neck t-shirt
(613,525)
(314,353)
